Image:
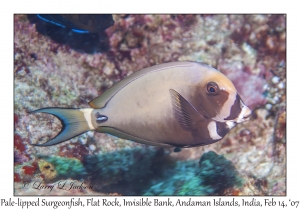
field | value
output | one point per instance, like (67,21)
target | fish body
(179,104)
(80,23)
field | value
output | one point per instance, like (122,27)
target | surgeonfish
(80,23)
(176,104)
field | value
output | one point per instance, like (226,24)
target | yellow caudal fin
(73,123)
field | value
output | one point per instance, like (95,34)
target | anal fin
(124,135)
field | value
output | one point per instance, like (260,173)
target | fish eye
(212,88)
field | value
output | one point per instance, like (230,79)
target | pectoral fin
(185,113)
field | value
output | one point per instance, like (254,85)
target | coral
(76,150)
(18,143)
(17,177)
(218,172)
(30,170)
(274,90)
(211,176)
(173,178)
(126,166)
(61,167)
(191,187)
(26,170)
(16,119)
(20,155)
(251,186)
(47,169)
(281,126)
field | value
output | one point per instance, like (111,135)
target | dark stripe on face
(208,104)
(235,109)
(222,129)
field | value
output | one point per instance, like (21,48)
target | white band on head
(212,129)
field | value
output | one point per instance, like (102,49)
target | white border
(154,6)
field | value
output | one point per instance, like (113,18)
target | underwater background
(56,67)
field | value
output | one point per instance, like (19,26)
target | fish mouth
(245,114)
(246,118)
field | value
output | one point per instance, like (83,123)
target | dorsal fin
(102,100)
(185,113)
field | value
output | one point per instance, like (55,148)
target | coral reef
(211,176)
(217,172)
(127,164)
(60,167)
(249,49)
(128,171)
(47,170)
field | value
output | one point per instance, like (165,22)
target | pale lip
(244,115)
(247,113)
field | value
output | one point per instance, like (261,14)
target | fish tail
(74,122)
